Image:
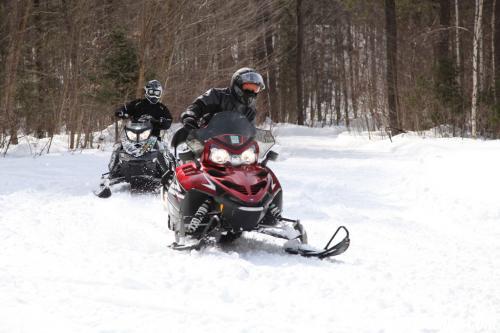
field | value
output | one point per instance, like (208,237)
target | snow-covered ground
(423,213)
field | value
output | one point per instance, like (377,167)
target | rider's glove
(190,123)
(121,114)
(165,123)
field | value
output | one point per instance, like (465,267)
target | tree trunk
(373,77)
(338,56)
(143,48)
(445,72)
(271,79)
(392,70)
(271,70)
(352,50)
(478,16)
(345,92)
(338,114)
(493,63)
(496,54)
(457,42)
(298,69)
(17,30)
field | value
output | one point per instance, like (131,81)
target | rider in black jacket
(240,96)
(149,105)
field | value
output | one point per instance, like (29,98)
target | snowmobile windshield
(232,125)
(225,123)
(265,140)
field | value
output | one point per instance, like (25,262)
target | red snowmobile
(224,190)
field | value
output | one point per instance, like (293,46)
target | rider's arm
(133,108)
(165,117)
(209,102)
(127,110)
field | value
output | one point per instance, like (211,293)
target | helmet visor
(251,87)
(252,78)
(154,92)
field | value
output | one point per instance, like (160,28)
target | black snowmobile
(139,160)
(223,190)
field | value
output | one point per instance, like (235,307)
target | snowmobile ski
(295,246)
(187,247)
(103,192)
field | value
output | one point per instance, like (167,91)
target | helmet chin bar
(152,99)
(246,97)
(249,98)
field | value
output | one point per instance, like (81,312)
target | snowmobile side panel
(191,177)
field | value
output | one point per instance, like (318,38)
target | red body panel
(190,177)
(248,183)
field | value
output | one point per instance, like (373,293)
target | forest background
(389,65)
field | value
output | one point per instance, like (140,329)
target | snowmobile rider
(149,105)
(240,96)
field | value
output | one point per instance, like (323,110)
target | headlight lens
(219,156)
(144,135)
(249,156)
(131,135)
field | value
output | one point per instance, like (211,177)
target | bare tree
(18,20)
(478,32)
(392,69)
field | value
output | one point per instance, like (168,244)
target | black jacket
(217,100)
(136,108)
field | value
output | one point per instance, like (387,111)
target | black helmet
(246,83)
(153,91)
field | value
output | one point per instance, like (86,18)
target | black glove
(165,123)
(121,114)
(189,123)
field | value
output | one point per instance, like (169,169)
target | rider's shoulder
(212,96)
(216,91)
(137,102)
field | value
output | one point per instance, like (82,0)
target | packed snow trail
(423,214)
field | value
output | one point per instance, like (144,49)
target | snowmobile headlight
(131,135)
(249,156)
(219,156)
(144,135)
